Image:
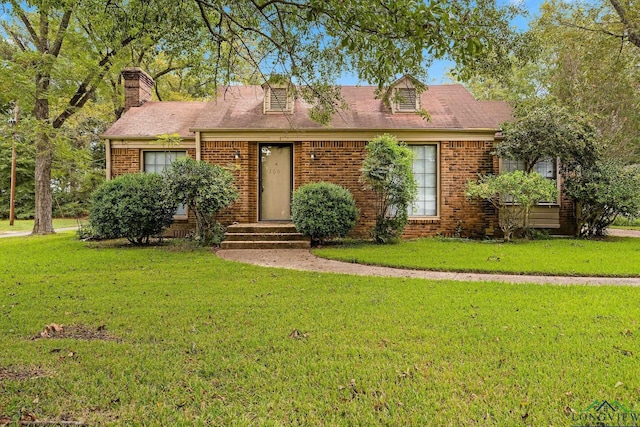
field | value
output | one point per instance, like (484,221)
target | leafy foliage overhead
(313,42)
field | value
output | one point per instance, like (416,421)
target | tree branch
(64,24)
(25,20)
(633,33)
(14,37)
(87,87)
(593,30)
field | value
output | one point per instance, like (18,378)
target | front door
(275,181)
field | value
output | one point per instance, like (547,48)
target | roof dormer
(278,98)
(405,95)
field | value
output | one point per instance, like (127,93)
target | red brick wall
(223,153)
(339,162)
(460,162)
(124,160)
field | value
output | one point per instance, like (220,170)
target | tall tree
(592,64)
(64,51)
(582,55)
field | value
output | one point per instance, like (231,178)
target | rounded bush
(323,210)
(134,206)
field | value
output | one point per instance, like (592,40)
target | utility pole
(12,201)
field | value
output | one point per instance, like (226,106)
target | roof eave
(141,137)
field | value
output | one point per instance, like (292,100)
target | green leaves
(206,189)
(513,194)
(602,192)
(134,206)
(543,130)
(323,210)
(388,171)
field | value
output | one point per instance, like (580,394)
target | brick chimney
(137,87)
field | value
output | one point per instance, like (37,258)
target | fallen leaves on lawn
(297,335)
(78,332)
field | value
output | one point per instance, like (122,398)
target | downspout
(107,147)
(198,148)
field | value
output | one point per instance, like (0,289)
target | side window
(158,161)
(425,171)
(547,168)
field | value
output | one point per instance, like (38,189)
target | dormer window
(404,95)
(406,99)
(277,99)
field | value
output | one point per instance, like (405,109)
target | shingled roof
(241,107)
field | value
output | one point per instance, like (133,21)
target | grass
(566,257)
(27,224)
(205,341)
(626,223)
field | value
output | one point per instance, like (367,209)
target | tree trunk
(43,221)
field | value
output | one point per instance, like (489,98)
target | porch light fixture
(237,155)
(313,156)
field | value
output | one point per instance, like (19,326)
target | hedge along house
(266,134)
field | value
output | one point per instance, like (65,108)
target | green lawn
(626,227)
(205,341)
(27,224)
(567,257)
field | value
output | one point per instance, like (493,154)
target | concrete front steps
(264,235)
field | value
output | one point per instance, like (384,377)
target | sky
(439,69)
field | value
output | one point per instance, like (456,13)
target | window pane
(425,172)
(158,161)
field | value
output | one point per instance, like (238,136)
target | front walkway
(28,233)
(302,259)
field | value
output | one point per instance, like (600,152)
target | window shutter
(406,99)
(278,99)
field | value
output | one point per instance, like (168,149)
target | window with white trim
(158,161)
(425,171)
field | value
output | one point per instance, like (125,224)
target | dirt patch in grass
(76,332)
(19,373)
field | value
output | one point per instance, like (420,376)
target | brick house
(276,148)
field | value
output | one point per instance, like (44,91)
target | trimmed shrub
(206,189)
(323,210)
(134,206)
(388,172)
(513,194)
(602,193)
